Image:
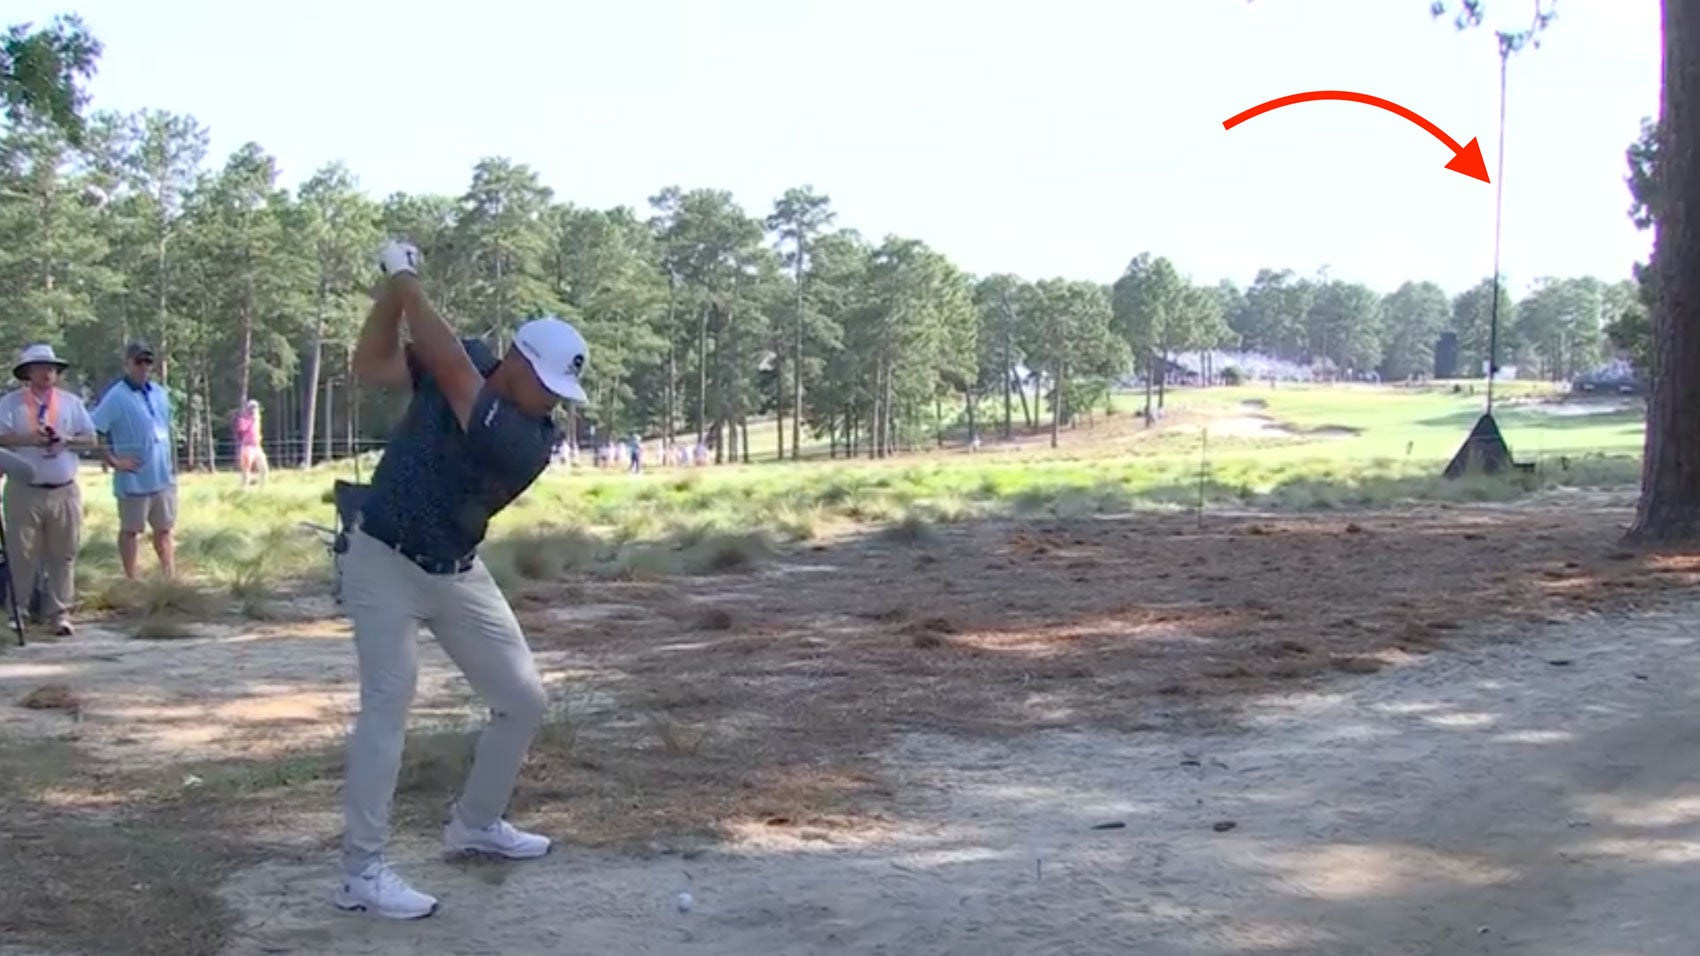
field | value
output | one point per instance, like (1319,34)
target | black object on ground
(1485,452)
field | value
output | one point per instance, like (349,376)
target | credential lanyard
(153,412)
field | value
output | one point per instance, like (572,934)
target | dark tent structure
(1485,452)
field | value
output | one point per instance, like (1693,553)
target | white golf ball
(685,902)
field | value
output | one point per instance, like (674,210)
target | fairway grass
(1431,423)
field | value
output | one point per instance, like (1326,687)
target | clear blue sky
(1060,142)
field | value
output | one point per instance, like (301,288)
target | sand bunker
(1264,427)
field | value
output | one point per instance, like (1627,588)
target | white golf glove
(396,257)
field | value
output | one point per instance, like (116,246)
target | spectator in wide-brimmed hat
(46,426)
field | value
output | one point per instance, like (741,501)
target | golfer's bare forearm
(378,359)
(438,348)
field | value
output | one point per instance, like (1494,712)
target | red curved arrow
(1466,159)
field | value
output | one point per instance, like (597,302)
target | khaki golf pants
(44,526)
(388,597)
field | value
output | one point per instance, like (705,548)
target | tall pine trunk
(874,412)
(351,413)
(1008,373)
(672,391)
(188,420)
(1150,373)
(244,358)
(330,421)
(876,428)
(778,397)
(702,374)
(164,301)
(779,409)
(778,392)
(1058,383)
(797,366)
(209,437)
(1669,509)
(889,420)
(315,357)
(672,368)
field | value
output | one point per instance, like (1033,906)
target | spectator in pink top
(250,457)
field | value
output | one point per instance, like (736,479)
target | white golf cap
(557,354)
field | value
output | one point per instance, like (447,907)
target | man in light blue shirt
(134,422)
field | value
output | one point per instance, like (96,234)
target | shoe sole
(352,906)
(485,853)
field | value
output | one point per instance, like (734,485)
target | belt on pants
(439,566)
(62,484)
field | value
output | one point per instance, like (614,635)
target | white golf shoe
(381,892)
(501,839)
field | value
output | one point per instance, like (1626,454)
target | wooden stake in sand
(1203,470)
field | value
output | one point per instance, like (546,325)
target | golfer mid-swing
(477,433)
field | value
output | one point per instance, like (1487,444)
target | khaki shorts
(158,510)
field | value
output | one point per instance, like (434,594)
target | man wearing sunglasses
(134,423)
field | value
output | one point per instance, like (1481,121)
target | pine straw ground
(759,701)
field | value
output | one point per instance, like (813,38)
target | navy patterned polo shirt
(438,485)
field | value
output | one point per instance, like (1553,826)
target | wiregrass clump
(437,757)
(547,554)
(725,552)
(913,529)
